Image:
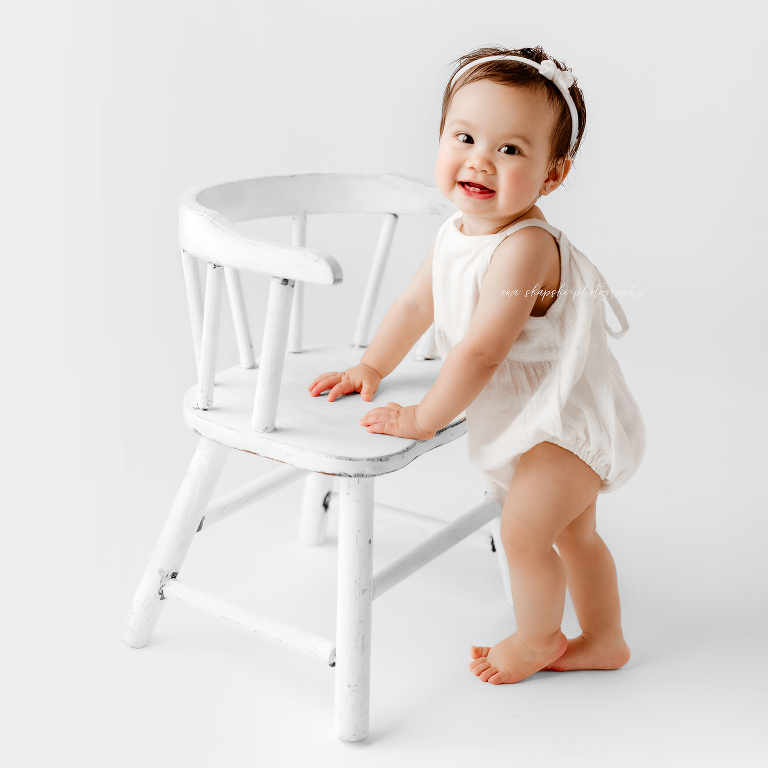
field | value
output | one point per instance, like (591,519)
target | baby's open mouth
(473,189)
(474,185)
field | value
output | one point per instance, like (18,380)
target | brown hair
(515,73)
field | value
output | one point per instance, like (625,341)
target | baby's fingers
(383,426)
(373,416)
(342,388)
(368,391)
(322,382)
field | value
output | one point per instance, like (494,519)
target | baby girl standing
(521,324)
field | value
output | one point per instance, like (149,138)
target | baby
(520,323)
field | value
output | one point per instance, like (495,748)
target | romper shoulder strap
(612,300)
(443,229)
(554,231)
(449,221)
(617,310)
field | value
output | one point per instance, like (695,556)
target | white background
(109,112)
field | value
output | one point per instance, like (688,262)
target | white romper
(559,383)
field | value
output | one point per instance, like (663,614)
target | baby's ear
(564,167)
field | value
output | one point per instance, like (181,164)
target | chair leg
(354,607)
(501,558)
(492,490)
(175,539)
(314,511)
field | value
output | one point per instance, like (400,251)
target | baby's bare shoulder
(530,246)
(532,251)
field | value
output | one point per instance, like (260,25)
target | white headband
(563,80)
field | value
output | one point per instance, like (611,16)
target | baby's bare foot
(510,661)
(592,653)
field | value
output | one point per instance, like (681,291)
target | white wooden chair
(262,406)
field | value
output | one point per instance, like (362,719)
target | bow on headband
(558,76)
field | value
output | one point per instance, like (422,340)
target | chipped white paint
(314,509)
(374,280)
(175,539)
(416,558)
(264,627)
(354,608)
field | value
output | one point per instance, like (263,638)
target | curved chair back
(208,231)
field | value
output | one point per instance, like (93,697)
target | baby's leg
(551,487)
(595,593)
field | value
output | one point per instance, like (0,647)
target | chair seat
(311,432)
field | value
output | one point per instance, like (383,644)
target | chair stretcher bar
(262,626)
(448,536)
(426,524)
(231,502)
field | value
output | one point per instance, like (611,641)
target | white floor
(203,693)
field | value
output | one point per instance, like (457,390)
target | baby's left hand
(397,420)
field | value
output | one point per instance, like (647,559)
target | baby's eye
(465,138)
(509,147)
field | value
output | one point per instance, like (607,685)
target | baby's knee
(520,542)
(576,539)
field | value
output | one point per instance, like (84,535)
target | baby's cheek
(444,174)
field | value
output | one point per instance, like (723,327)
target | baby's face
(499,137)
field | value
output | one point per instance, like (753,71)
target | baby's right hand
(361,378)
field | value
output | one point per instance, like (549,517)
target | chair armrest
(209,235)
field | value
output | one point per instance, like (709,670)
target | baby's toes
(478,666)
(487,674)
(499,677)
(477,652)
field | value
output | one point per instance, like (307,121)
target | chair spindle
(210,337)
(240,318)
(194,300)
(374,280)
(426,346)
(272,354)
(298,237)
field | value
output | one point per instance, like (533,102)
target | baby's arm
(405,322)
(516,264)
(408,318)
